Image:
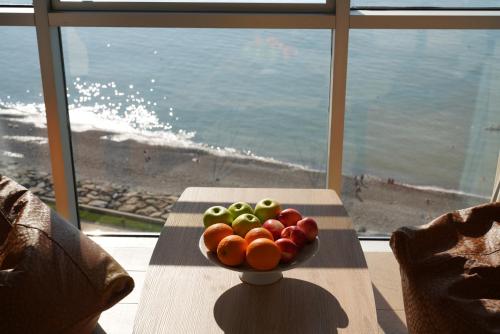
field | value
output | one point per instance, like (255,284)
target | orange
(263,254)
(231,250)
(214,234)
(256,233)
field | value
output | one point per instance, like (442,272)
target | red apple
(274,226)
(289,217)
(309,227)
(295,234)
(289,249)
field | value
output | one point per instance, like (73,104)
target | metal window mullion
(340,45)
(195,6)
(193,20)
(16,16)
(425,19)
(358,19)
(56,109)
(496,183)
(365,19)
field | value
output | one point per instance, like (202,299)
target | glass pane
(16,2)
(24,151)
(154,111)
(427,3)
(210,1)
(422,125)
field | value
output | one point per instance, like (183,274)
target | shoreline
(130,168)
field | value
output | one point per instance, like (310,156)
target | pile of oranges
(257,248)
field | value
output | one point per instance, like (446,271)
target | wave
(444,190)
(426,187)
(140,125)
(29,113)
(28,139)
(137,124)
(13,154)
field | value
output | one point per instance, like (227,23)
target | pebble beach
(146,180)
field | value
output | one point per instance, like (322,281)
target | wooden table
(185,293)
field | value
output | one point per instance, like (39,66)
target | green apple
(244,223)
(239,208)
(267,209)
(217,214)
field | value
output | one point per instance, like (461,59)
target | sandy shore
(376,206)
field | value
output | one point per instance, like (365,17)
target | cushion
(53,278)
(450,272)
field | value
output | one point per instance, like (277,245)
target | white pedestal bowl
(256,277)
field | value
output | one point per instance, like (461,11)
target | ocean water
(422,106)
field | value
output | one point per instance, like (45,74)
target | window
(24,150)
(164,109)
(422,124)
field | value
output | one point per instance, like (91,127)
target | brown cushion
(450,271)
(53,278)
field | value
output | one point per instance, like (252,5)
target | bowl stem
(260,278)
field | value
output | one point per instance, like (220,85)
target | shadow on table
(288,306)
(178,245)
(335,210)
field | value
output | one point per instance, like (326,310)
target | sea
(423,106)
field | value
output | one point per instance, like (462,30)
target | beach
(111,174)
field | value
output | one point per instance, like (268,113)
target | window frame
(293,6)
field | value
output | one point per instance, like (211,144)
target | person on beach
(357,188)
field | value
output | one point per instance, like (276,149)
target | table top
(185,293)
